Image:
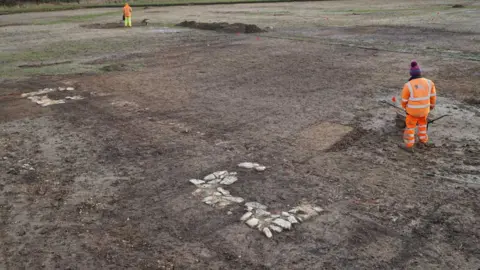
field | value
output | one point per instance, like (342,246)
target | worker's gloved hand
(432,107)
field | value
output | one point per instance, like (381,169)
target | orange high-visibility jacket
(417,97)
(127,11)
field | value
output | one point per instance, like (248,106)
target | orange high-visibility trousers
(409,133)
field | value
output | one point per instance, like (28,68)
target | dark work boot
(426,145)
(405,148)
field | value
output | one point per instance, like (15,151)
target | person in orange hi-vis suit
(127,13)
(418,98)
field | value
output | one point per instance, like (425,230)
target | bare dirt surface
(102,182)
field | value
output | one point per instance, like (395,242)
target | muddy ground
(102,183)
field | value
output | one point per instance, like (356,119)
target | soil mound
(223,27)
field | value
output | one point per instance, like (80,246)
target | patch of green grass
(272,13)
(14,72)
(79,52)
(77,18)
(432,8)
(36,8)
(139,3)
(65,50)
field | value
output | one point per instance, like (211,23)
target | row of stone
(39,97)
(46,101)
(258,217)
(210,188)
(46,91)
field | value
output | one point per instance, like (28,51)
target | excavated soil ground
(102,182)
(223,27)
(119,25)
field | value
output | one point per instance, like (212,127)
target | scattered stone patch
(46,90)
(74,98)
(223,27)
(210,188)
(257,216)
(43,100)
(266,222)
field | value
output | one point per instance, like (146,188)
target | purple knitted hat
(415,69)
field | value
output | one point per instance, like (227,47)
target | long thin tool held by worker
(402,111)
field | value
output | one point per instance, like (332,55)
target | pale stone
(246,165)
(252,222)
(232,173)
(45,101)
(260,168)
(209,177)
(223,203)
(234,199)
(215,181)
(196,181)
(318,209)
(285,214)
(283,223)
(261,213)
(223,191)
(70,88)
(228,180)
(207,199)
(275,228)
(304,211)
(267,232)
(220,174)
(292,220)
(275,216)
(27,166)
(206,186)
(217,194)
(74,97)
(39,92)
(209,202)
(212,200)
(246,216)
(255,205)
(61,89)
(198,191)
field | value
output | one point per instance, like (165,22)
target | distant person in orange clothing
(418,98)
(127,14)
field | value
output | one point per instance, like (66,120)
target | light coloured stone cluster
(43,100)
(251,165)
(258,217)
(210,188)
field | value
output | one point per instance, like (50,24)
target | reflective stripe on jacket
(417,96)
